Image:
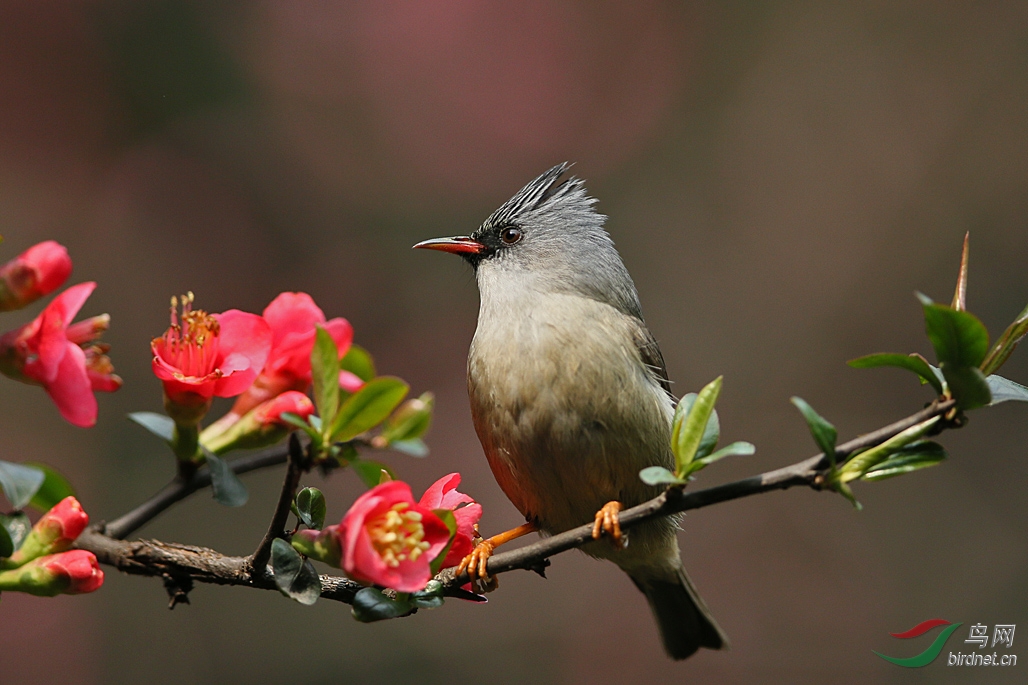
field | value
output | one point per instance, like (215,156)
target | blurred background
(779,180)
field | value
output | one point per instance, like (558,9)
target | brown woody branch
(181,565)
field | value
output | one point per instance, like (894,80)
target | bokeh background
(779,178)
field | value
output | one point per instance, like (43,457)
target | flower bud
(36,272)
(69,573)
(54,532)
(260,427)
(320,545)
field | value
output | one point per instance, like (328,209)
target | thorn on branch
(178,589)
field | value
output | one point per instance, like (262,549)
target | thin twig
(294,469)
(178,489)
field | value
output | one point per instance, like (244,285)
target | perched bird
(569,392)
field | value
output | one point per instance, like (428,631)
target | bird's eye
(510,235)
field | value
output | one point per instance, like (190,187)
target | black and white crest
(545,196)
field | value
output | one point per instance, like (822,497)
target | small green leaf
(295,577)
(1004,390)
(358,362)
(367,408)
(959,338)
(325,374)
(447,517)
(824,433)
(862,462)
(55,487)
(13,530)
(968,386)
(658,475)
(911,362)
(160,425)
(1007,342)
(370,472)
(411,420)
(429,598)
(689,431)
(710,436)
(414,447)
(297,421)
(917,455)
(20,483)
(228,489)
(370,604)
(311,508)
(736,449)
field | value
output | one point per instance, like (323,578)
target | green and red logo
(927,656)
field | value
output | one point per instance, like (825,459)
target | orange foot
(607,521)
(475,562)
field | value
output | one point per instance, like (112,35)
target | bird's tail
(684,620)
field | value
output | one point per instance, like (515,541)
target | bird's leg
(475,562)
(608,521)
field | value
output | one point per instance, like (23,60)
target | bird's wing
(651,356)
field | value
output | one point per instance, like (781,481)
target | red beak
(460,244)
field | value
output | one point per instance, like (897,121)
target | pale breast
(566,410)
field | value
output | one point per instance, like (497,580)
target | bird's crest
(544,194)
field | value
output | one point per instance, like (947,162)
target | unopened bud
(36,272)
(69,573)
(54,532)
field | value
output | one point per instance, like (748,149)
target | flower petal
(291,313)
(71,390)
(243,345)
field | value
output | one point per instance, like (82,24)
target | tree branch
(182,564)
(295,468)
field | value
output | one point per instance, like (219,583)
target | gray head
(548,235)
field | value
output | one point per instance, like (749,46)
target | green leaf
(20,483)
(228,489)
(370,472)
(691,426)
(959,338)
(414,447)
(1007,342)
(311,508)
(297,421)
(371,604)
(429,598)
(55,487)
(736,449)
(862,462)
(658,475)
(911,362)
(967,385)
(295,577)
(160,425)
(917,455)
(1004,390)
(358,362)
(447,517)
(711,434)
(824,433)
(367,408)
(13,530)
(411,420)
(325,374)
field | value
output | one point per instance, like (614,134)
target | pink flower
(65,359)
(207,355)
(70,573)
(443,494)
(38,271)
(389,539)
(260,427)
(54,532)
(292,318)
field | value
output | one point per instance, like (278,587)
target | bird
(570,396)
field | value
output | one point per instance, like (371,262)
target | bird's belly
(567,422)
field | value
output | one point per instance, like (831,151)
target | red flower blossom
(207,355)
(290,402)
(36,272)
(292,318)
(260,427)
(443,494)
(54,532)
(389,539)
(66,360)
(70,573)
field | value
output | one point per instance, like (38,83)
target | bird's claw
(475,562)
(608,521)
